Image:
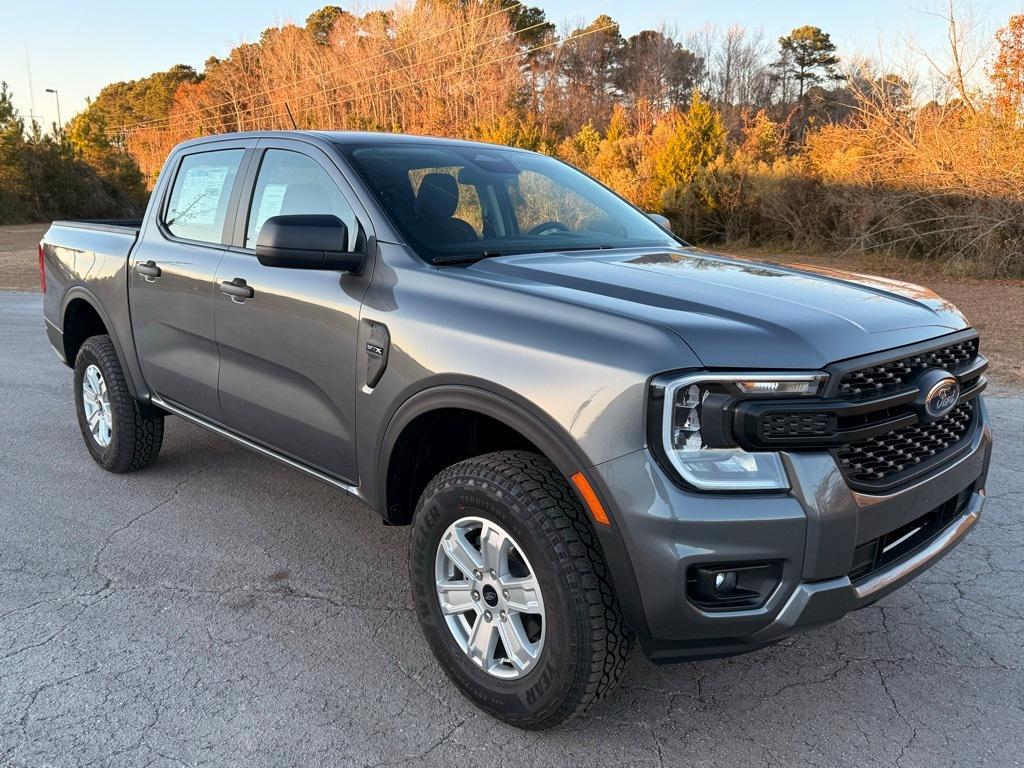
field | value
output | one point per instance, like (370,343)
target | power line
(411,65)
(517,54)
(555,43)
(147,123)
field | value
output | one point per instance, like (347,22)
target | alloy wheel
(490,597)
(96,403)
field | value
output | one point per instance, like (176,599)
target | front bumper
(812,530)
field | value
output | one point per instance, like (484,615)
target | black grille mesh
(886,456)
(798,424)
(896,375)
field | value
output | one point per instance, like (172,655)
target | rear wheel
(513,592)
(116,433)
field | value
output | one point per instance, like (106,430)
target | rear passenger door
(288,352)
(172,269)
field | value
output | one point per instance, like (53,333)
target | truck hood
(735,313)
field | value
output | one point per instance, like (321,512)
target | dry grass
(995,307)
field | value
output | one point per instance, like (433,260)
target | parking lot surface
(219,609)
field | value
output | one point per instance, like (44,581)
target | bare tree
(968,44)
(736,70)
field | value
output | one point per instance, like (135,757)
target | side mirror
(660,220)
(307,241)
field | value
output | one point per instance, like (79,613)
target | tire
(584,641)
(131,441)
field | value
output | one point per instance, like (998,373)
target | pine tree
(809,56)
(694,141)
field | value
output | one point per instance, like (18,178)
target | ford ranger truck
(597,434)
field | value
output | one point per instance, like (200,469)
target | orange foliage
(429,68)
(1008,71)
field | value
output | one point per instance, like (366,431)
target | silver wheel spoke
(482,641)
(520,650)
(523,594)
(455,597)
(493,548)
(461,552)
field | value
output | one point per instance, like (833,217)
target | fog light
(734,587)
(725,581)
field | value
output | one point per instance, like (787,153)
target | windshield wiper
(465,258)
(472,258)
(601,247)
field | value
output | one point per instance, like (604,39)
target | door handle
(237,289)
(149,270)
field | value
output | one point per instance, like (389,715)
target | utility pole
(60,125)
(31,92)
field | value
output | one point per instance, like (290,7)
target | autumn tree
(807,55)
(147,99)
(1007,71)
(764,140)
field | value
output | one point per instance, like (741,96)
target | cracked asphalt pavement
(220,609)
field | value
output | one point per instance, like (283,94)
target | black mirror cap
(307,241)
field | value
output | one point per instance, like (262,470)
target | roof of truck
(343,137)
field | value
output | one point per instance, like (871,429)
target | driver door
(288,351)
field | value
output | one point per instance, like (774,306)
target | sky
(77,47)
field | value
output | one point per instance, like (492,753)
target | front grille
(897,375)
(886,457)
(880,553)
(870,417)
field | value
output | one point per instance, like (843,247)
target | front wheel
(512,590)
(118,436)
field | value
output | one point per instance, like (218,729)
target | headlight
(696,435)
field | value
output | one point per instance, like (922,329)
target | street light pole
(60,125)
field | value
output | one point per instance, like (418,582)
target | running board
(254,446)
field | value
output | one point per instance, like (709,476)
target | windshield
(464,203)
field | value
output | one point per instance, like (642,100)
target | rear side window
(199,198)
(290,183)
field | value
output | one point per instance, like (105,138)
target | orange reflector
(590,499)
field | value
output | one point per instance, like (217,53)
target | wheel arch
(81,316)
(544,435)
(80,309)
(537,431)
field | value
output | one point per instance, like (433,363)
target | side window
(199,197)
(291,183)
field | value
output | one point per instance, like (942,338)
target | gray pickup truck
(596,432)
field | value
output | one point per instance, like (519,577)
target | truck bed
(88,260)
(102,225)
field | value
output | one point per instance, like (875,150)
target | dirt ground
(19,264)
(995,307)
